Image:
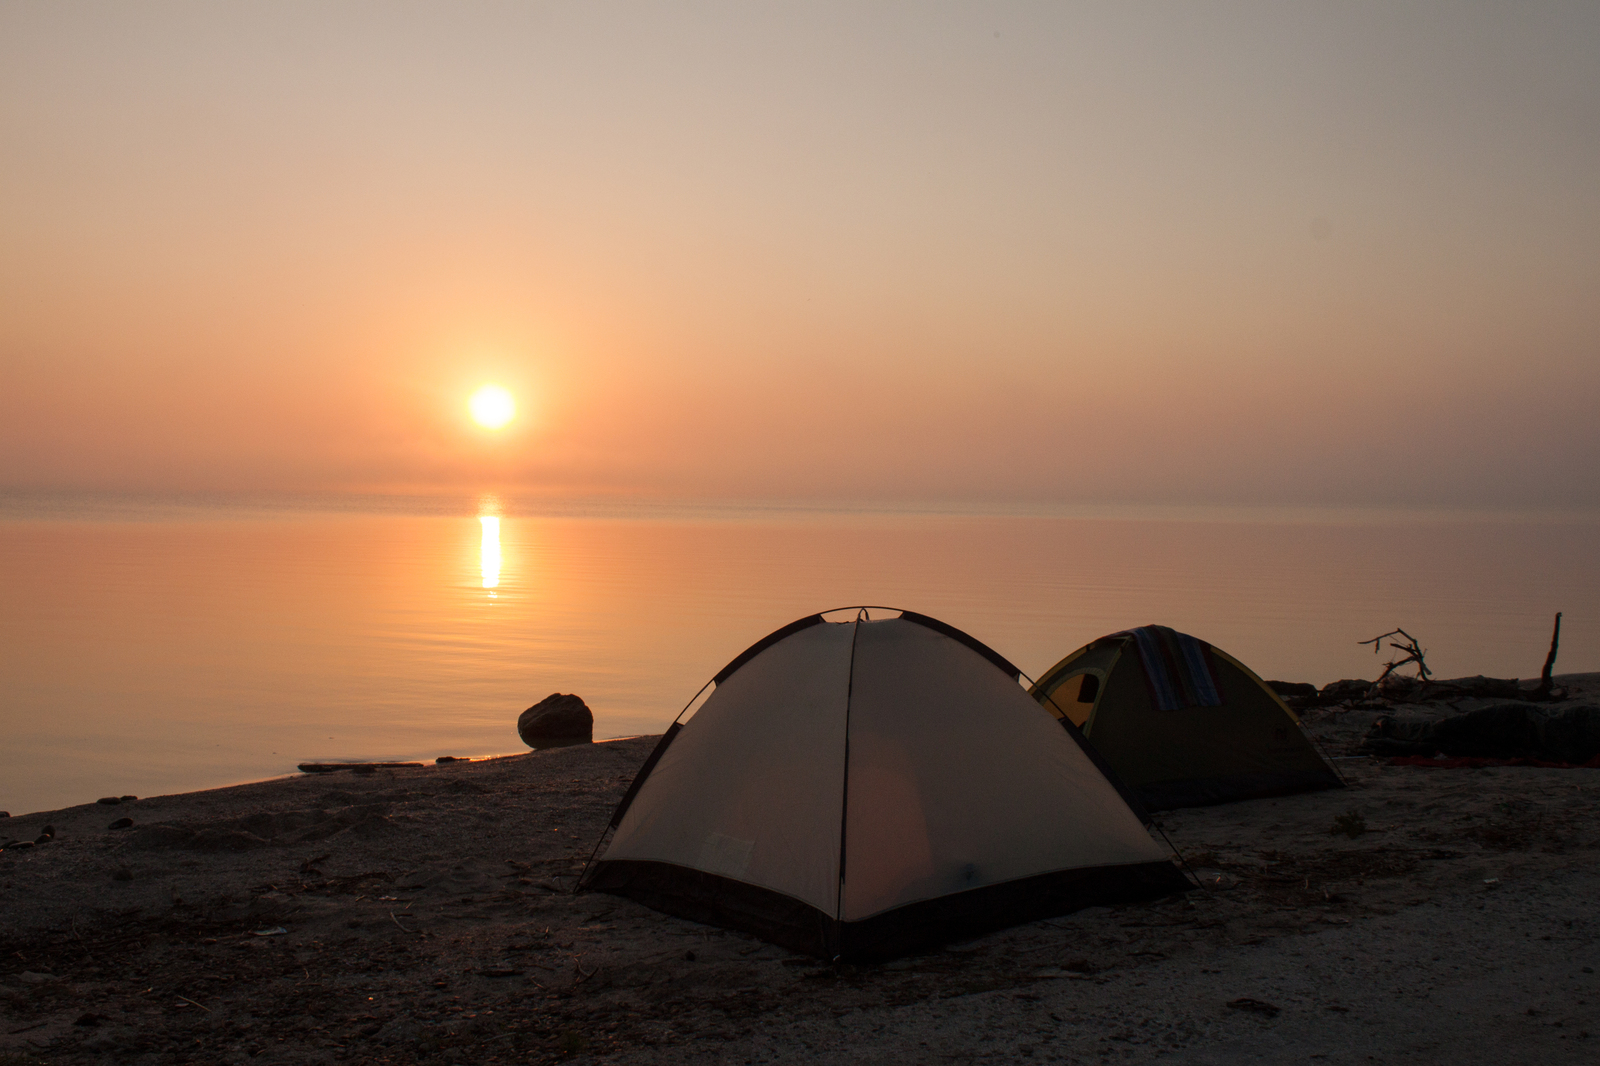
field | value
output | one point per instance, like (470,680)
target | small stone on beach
(556,720)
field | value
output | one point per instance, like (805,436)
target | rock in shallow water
(555,720)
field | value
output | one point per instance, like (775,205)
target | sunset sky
(1058,253)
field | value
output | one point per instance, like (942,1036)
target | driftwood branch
(1546,680)
(1411,652)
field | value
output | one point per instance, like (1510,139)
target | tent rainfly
(1181,722)
(858,789)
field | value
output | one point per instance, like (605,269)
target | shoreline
(423,915)
(294,774)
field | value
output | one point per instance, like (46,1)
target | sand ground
(424,916)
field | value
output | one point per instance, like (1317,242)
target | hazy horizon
(1229,254)
(137,505)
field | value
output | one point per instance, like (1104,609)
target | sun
(492,407)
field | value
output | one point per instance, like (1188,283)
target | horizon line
(35,504)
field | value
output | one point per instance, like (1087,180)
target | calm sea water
(148,649)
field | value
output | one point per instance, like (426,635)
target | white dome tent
(858,789)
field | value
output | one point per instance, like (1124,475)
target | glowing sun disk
(492,407)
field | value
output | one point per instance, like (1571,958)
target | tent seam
(844,781)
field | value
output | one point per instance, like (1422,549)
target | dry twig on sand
(1413,653)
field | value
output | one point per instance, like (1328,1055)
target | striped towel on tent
(1177,668)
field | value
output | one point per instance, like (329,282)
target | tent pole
(844,786)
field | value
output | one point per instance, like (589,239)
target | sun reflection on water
(490,552)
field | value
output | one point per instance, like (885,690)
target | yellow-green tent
(1182,723)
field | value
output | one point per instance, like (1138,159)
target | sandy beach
(425,915)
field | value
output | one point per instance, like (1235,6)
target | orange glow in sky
(1212,253)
